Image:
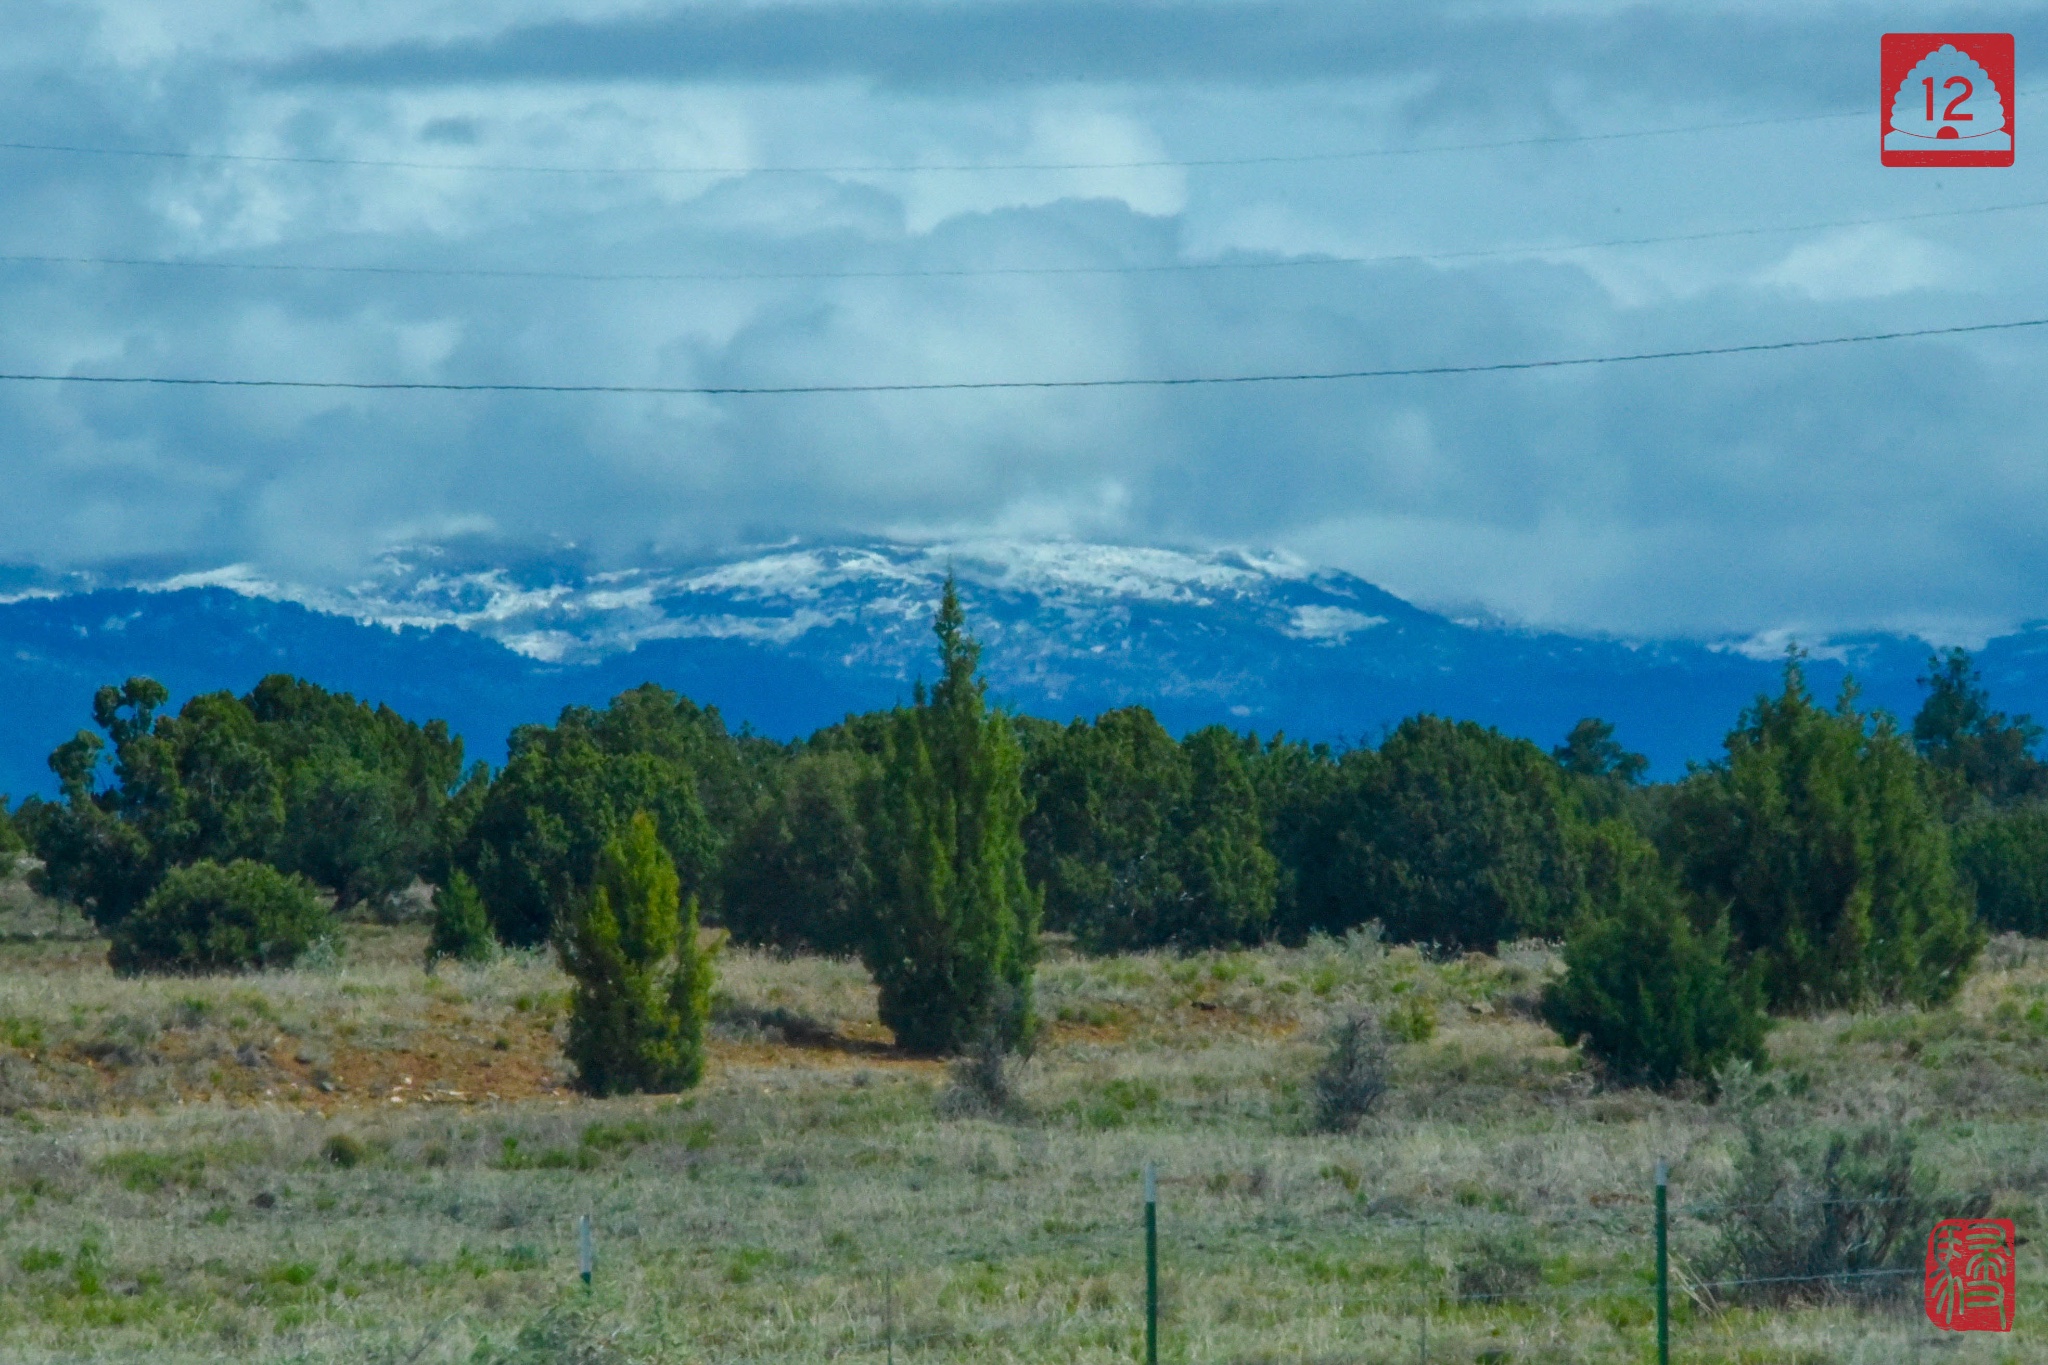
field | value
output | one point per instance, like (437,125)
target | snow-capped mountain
(877,596)
(793,637)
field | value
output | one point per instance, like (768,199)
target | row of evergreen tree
(1828,858)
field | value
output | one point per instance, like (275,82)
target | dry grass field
(359,1161)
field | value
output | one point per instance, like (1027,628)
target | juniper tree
(1982,755)
(1450,832)
(1229,875)
(643,983)
(954,921)
(795,875)
(1651,995)
(214,917)
(1821,833)
(1100,838)
(2002,855)
(461,929)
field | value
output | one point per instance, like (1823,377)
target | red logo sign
(1947,99)
(1970,1274)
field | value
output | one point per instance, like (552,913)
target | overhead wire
(988,385)
(950,167)
(978,272)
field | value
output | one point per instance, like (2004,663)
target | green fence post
(1663,1269)
(584,1258)
(1422,1302)
(1151,1264)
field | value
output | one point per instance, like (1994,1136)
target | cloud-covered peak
(586,191)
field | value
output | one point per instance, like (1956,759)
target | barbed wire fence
(1435,1290)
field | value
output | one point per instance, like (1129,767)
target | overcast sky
(1895,485)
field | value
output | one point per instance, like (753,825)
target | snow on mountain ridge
(781,595)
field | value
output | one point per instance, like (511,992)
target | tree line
(1830,857)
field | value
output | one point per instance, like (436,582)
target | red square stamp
(1970,1274)
(1947,99)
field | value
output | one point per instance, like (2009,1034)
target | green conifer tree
(1229,875)
(1982,755)
(955,923)
(1100,839)
(643,983)
(1651,996)
(1822,834)
(462,931)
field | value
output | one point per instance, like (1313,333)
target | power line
(973,272)
(963,386)
(954,167)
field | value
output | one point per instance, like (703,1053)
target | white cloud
(1828,488)
(1330,625)
(1864,263)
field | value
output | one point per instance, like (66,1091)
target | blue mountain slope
(796,638)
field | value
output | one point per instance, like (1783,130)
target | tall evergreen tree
(1591,750)
(955,930)
(1983,755)
(1821,834)
(1603,777)
(642,990)
(1295,784)
(1229,875)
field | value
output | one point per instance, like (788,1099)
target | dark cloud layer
(1794,58)
(1896,485)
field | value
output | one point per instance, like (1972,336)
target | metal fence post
(584,1257)
(1663,1268)
(1422,1301)
(1151,1264)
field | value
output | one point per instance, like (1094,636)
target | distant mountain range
(793,638)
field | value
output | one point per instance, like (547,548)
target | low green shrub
(462,930)
(1412,1020)
(154,1172)
(210,917)
(345,1151)
(1653,998)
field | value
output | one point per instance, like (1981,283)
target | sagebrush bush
(984,1077)
(643,983)
(462,929)
(1498,1269)
(1651,997)
(1354,1076)
(1809,1218)
(214,918)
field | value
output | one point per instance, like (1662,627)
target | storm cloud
(713,195)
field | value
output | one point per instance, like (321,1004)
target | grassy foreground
(361,1162)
